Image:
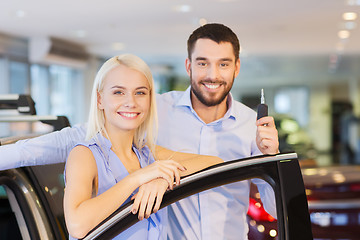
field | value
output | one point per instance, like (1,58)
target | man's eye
(202,64)
(224,64)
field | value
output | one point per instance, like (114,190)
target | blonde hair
(147,131)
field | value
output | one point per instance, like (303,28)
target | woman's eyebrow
(142,87)
(117,86)
(121,87)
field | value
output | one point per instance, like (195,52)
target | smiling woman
(126,96)
(117,157)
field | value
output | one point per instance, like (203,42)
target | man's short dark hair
(216,32)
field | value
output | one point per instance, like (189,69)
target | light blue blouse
(110,171)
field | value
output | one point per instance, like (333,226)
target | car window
(9,222)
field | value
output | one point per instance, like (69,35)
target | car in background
(333,195)
(334,201)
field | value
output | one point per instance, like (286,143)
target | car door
(281,171)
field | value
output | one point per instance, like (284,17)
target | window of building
(19,77)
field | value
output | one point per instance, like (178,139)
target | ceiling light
(344,34)
(183,8)
(349,16)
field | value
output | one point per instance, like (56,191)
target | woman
(118,155)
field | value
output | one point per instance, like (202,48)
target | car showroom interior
(301,59)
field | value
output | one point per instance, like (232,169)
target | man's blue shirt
(218,213)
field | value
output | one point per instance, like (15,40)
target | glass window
(56,90)
(15,80)
(3,76)
(4,89)
(40,90)
(64,91)
(19,77)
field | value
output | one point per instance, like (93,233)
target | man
(204,119)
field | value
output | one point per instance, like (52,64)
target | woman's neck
(121,145)
(121,141)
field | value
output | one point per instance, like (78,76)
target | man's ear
(237,67)
(99,101)
(188,66)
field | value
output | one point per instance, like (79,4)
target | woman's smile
(129,115)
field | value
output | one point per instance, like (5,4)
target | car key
(262,109)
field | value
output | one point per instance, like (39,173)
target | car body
(31,203)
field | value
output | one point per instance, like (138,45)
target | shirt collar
(185,100)
(103,143)
(105,146)
(231,109)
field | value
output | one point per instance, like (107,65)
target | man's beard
(210,102)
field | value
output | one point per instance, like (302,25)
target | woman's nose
(130,101)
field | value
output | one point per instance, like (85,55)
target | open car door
(281,171)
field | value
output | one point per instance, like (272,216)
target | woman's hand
(148,194)
(166,169)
